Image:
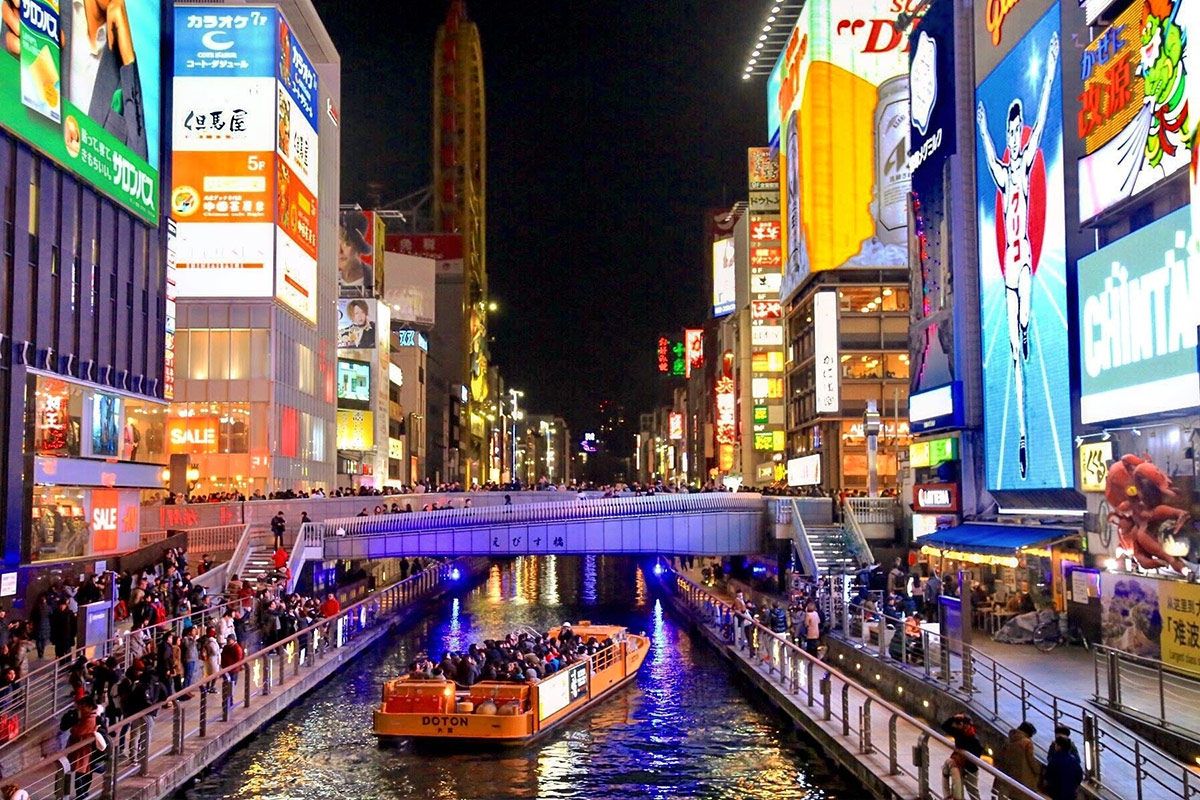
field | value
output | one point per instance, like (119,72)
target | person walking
(1063,773)
(211,651)
(932,590)
(812,629)
(1017,760)
(961,728)
(278,526)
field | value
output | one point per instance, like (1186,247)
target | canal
(686,729)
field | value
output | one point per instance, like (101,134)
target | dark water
(685,729)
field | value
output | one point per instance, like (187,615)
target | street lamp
(193,478)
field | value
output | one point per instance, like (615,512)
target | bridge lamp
(455,573)
(658,568)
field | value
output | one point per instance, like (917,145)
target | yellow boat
(507,713)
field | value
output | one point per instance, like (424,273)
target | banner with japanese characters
(1179,605)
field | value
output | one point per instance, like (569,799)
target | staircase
(258,561)
(830,550)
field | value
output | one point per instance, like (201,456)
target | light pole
(517,415)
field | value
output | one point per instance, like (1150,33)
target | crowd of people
(517,658)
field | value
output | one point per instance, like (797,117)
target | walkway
(717,523)
(158,751)
(891,752)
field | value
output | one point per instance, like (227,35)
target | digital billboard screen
(1138,314)
(353,383)
(724,256)
(1022,265)
(94,110)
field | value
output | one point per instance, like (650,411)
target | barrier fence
(45,693)
(868,724)
(1147,688)
(141,745)
(1114,760)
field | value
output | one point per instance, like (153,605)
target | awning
(990,539)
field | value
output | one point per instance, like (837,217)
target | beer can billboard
(843,104)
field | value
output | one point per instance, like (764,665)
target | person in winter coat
(1063,772)
(210,649)
(1017,760)
(812,629)
(189,655)
(62,629)
(961,728)
(41,625)
(953,770)
(231,654)
(778,619)
(83,732)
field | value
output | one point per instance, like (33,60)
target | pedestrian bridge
(714,524)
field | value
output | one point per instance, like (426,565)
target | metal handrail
(806,549)
(45,693)
(983,681)
(483,516)
(1166,678)
(131,740)
(797,671)
(853,531)
(217,578)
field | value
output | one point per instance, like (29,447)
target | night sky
(611,127)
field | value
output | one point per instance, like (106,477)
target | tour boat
(506,713)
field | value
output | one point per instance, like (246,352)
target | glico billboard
(1022,248)
(840,92)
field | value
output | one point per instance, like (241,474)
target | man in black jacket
(961,728)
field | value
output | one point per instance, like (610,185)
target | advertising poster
(106,424)
(409,284)
(222,186)
(1179,606)
(932,142)
(356,324)
(1130,616)
(295,276)
(763,169)
(225,259)
(97,117)
(1022,255)
(1138,314)
(724,277)
(444,248)
(356,253)
(296,208)
(1133,114)
(232,114)
(842,101)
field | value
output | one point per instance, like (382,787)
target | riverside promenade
(156,752)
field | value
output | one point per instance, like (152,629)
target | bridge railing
(1148,688)
(136,744)
(571,510)
(834,697)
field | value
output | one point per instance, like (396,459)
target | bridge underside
(722,533)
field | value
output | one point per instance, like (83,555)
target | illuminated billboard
(843,163)
(825,345)
(724,262)
(359,252)
(1132,116)
(93,108)
(1022,263)
(675,426)
(244,174)
(353,383)
(355,430)
(693,340)
(357,324)
(409,287)
(1138,314)
(804,471)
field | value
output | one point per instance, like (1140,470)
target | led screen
(1022,244)
(354,381)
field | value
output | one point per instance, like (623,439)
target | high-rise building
(254,200)
(459,347)
(83,306)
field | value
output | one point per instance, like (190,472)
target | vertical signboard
(825,346)
(693,342)
(1022,249)
(932,141)
(724,265)
(244,171)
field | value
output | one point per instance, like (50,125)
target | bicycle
(1053,632)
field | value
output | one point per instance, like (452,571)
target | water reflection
(684,729)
